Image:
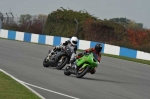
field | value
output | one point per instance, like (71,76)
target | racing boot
(72,61)
(93,71)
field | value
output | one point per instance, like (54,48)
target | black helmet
(98,48)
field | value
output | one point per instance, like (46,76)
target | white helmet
(74,40)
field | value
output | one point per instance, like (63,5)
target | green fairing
(87,60)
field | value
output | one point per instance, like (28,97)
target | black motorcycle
(59,58)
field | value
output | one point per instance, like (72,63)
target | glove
(80,54)
(86,53)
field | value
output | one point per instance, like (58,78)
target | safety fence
(82,44)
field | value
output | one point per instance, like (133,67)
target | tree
(62,22)
(24,18)
(42,17)
(127,23)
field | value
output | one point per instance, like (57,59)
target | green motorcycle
(83,65)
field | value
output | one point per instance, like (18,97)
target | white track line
(51,91)
(25,84)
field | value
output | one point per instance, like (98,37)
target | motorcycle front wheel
(82,71)
(67,71)
(45,62)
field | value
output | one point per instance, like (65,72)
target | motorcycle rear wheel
(63,63)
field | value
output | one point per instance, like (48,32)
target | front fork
(73,68)
(49,55)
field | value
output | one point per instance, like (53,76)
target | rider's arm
(66,43)
(84,52)
(75,49)
(88,50)
(99,57)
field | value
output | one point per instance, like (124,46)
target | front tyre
(66,71)
(81,72)
(45,62)
(61,62)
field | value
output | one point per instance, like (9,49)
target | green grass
(11,89)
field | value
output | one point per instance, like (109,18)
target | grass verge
(129,59)
(11,89)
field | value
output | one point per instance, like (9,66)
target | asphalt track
(114,79)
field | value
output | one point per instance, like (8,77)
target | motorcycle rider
(97,49)
(72,44)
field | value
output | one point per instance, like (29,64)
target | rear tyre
(82,73)
(66,71)
(64,61)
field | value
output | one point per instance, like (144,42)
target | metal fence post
(0,24)
(43,26)
(1,19)
(76,33)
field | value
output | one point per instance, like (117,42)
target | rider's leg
(72,59)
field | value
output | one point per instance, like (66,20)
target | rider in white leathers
(72,44)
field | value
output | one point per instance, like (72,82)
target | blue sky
(137,10)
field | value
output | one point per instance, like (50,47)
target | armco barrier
(82,44)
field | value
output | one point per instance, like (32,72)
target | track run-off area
(114,78)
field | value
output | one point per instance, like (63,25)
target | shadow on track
(91,79)
(104,80)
